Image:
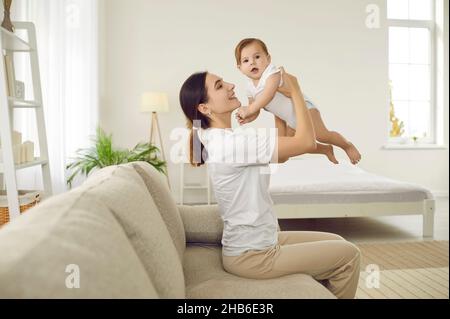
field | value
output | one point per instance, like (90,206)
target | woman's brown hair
(192,94)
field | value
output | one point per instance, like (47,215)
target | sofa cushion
(202,224)
(160,192)
(70,229)
(123,191)
(206,278)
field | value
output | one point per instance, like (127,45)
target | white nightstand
(205,186)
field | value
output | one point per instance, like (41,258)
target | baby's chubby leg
(323,135)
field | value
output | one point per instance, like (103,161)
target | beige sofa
(122,236)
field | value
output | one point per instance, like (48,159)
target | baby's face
(254,61)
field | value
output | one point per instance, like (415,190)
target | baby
(254,61)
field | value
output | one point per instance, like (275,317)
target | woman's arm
(304,140)
(281,126)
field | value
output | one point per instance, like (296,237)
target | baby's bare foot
(329,152)
(353,153)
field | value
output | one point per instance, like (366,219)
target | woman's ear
(203,108)
(269,58)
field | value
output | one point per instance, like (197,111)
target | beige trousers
(327,257)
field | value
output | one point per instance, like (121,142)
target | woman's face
(221,96)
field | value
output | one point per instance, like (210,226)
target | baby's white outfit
(281,105)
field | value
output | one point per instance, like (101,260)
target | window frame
(431,26)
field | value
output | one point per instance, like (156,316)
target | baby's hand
(244,111)
(240,121)
(239,117)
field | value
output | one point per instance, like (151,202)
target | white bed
(316,188)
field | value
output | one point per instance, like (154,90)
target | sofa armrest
(202,224)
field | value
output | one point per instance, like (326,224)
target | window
(412,67)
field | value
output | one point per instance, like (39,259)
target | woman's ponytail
(192,94)
(197,151)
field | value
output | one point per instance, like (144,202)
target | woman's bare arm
(304,140)
(281,126)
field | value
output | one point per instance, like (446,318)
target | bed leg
(428,218)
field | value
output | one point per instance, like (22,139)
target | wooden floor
(409,265)
(411,270)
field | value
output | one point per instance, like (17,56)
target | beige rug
(404,270)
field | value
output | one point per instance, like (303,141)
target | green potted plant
(102,154)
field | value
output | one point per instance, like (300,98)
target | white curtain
(67,38)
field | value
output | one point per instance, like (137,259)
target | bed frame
(425,208)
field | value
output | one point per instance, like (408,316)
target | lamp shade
(154,102)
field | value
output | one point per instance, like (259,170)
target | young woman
(252,246)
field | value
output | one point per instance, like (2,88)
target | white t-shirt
(240,177)
(280,105)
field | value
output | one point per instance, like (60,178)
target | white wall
(342,65)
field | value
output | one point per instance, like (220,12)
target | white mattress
(318,181)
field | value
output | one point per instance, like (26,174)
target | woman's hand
(290,84)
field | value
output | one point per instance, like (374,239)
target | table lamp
(154,102)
